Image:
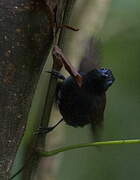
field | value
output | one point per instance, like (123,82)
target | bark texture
(25,39)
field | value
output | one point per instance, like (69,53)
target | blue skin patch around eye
(108,76)
(104,72)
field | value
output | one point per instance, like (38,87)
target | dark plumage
(82,105)
(82,97)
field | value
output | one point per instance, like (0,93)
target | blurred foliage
(119,32)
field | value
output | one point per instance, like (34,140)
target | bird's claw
(56,74)
(42,130)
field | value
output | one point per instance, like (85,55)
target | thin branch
(96,144)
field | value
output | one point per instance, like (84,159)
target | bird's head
(99,80)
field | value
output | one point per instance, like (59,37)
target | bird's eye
(104,73)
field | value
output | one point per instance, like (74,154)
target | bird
(80,106)
(83,103)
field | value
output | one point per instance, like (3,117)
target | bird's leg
(56,74)
(60,59)
(43,130)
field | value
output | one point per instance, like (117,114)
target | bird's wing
(92,56)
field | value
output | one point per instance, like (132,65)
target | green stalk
(84,145)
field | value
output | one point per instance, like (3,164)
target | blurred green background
(117,24)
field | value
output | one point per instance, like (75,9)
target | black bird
(84,104)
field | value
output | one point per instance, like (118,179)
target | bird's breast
(75,104)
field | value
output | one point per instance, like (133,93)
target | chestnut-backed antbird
(83,104)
